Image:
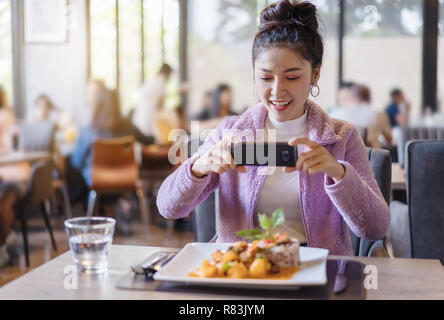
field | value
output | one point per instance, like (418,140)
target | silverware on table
(153,264)
(341,280)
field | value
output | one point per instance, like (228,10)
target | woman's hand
(218,160)
(316,159)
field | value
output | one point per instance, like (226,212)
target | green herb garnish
(227,266)
(267,224)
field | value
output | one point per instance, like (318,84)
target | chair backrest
(37,136)
(417,133)
(40,187)
(425,194)
(363,132)
(381,163)
(380,160)
(114,164)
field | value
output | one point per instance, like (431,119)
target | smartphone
(264,154)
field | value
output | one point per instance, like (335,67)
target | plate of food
(264,260)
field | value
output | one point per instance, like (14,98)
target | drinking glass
(89,240)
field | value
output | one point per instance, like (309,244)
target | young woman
(332,187)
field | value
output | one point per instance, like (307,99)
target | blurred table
(397,279)
(16,166)
(22,156)
(398,177)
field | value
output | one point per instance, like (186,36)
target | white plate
(313,269)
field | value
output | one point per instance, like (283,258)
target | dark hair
(215,105)
(293,26)
(395,92)
(165,69)
(48,101)
(364,93)
(106,111)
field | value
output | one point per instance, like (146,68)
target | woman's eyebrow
(285,71)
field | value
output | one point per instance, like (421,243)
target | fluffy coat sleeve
(357,196)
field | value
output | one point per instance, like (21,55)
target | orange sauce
(284,274)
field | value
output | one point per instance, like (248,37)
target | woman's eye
(292,79)
(266,79)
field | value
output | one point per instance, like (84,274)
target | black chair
(381,163)
(416,133)
(39,192)
(40,137)
(425,194)
(380,160)
(363,133)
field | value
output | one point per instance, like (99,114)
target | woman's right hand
(218,160)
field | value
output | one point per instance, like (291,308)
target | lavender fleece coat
(328,209)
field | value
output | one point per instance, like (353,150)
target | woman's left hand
(316,159)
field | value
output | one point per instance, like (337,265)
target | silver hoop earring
(317,91)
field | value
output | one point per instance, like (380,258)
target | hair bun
(285,12)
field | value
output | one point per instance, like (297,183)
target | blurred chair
(37,136)
(380,160)
(363,132)
(39,192)
(40,137)
(381,163)
(419,226)
(416,133)
(115,171)
(156,167)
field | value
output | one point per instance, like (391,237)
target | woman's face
(42,110)
(283,82)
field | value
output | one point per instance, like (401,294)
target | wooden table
(398,177)
(398,279)
(16,166)
(22,156)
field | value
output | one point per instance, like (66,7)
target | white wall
(59,70)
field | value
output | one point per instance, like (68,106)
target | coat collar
(321,128)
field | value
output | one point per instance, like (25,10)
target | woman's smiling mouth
(281,105)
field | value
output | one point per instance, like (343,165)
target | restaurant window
(328,16)
(220,38)
(383,48)
(6,80)
(141,35)
(220,43)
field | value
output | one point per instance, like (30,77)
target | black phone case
(260,154)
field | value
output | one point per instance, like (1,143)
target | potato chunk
(237,271)
(208,270)
(230,256)
(259,268)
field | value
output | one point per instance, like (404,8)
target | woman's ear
(316,75)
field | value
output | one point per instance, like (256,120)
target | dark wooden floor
(41,250)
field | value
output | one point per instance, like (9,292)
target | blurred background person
(379,132)
(398,109)
(221,107)
(8,199)
(7,123)
(205,112)
(93,87)
(352,108)
(398,113)
(106,122)
(151,101)
(44,110)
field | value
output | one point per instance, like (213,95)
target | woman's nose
(277,88)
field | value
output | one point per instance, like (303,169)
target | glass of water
(89,240)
